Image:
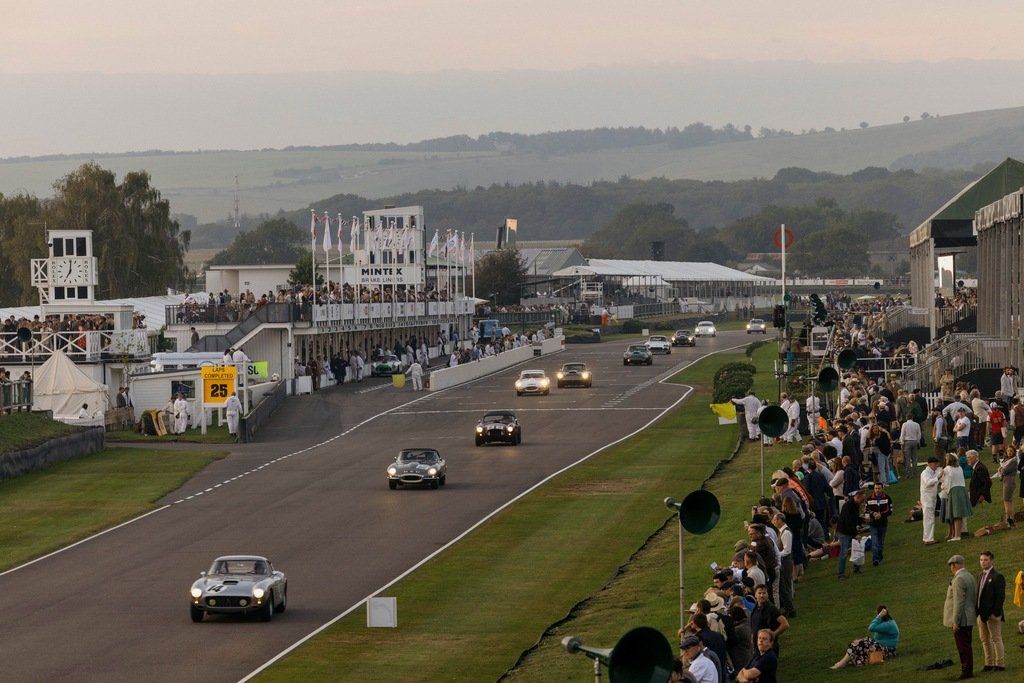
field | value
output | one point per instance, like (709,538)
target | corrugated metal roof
(672,271)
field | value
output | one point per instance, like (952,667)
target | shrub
(633,326)
(754,346)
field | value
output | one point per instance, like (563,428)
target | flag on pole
(726,412)
(432,249)
(312,225)
(341,244)
(355,234)
(327,233)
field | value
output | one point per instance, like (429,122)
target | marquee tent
(58,385)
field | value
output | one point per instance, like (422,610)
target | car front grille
(411,478)
(496,432)
(228,601)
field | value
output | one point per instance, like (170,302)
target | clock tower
(69,275)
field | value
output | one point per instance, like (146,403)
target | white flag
(355,234)
(327,233)
(312,225)
(432,250)
(341,245)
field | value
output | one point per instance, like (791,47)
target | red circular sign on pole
(778,238)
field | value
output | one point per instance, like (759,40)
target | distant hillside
(202,183)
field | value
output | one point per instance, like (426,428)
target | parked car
(417,466)
(385,366)
(239,584)
(705,328)
(684,338)
(499,426)
(659,344)
(533,382)
(574,375)
(637,354)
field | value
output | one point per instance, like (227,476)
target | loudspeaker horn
(828,379)
(773,421)
(24,334)
(643,655)
(847,359)
(699,512)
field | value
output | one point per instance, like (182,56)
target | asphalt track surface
(311,495)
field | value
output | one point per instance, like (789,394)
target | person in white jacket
(792,408)
(929,497)
(751,407)
(813,405)
(416,375)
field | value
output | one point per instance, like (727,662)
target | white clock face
(70,271)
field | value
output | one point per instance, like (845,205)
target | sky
(120,75)
(260,36)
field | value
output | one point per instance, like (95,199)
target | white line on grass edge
(488,516)
(264,465)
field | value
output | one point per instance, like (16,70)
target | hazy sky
(261,36)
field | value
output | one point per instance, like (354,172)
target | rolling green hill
(202,183)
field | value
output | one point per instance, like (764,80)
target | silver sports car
(239,584)
(417,466)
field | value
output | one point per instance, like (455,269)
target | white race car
(659,344)
(757,325)
(705,328)
(533,382)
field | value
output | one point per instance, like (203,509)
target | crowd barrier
(460,374)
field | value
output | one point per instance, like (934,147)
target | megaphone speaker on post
(847,359)
(24,334)
(699,512)
(828,379)
(643,655)
(773,421)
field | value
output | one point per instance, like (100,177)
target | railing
(337,314)
(526,318)
(628,311)
(15,396)
(945,317)
(89,345)
(961,353)
(250,424)
(901,317)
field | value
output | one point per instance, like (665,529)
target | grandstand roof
(671,271)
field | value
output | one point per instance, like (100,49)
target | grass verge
(214,434)
(471,612)
(25,430)
(61,504)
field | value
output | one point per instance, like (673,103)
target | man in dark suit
(981,482)
(991,594)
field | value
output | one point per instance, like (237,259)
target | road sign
(778,238)
(218,384)
(258,370)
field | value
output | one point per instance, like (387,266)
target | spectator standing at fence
(991,596)
(962,429)
(765,662)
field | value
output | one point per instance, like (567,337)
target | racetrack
(313,498)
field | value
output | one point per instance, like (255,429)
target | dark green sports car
(637,354)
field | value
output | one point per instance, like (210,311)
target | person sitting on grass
(884,638)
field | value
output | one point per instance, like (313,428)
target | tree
(302,274)
(835,252)
(21,239)
(274,241)
(499,275)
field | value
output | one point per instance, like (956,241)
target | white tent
(58,385)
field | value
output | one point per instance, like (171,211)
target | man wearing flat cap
(959,612)
(696,660)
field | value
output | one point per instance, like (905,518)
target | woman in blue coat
(884,638)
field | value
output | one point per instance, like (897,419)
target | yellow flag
(726,412)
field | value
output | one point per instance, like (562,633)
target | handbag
(876,657)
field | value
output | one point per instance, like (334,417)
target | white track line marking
(482,520)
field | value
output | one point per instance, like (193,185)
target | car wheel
(392,484)
(560,385)
(444,479)
(267,611)
(625,363)
(518,440)
(669,352)
(433,484)
(650,362)
(479,442)
(519,393)
(196,613)
(284,601)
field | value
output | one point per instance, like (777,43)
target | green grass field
(491,596)
(214,434)
(61,504)
(25,430)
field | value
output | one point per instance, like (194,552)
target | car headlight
(544,382)
(196,592)
(559,375)
(258,593)
(479,429)
(432,471)
(748,326)
(392,471)
(519,384)
(584,374)
(510,429)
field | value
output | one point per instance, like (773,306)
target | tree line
(139,248)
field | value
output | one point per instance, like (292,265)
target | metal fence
(249,424)
(15,396)
(86,345)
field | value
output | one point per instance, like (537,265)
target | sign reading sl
(218,384)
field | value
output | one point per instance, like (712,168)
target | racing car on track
(533,382)
(684,338)
(385,366)
(705,328)
(239,584)
(499,426)
(637,354)
(415,466)
(574,375)
(659,344)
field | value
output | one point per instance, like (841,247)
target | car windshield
(683,333)
(706,323)
(388,358)
(250,566)
(533,374)
(499,416)
(757,321)
(571,367)
(637,349)
(658,339)
(418,456)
